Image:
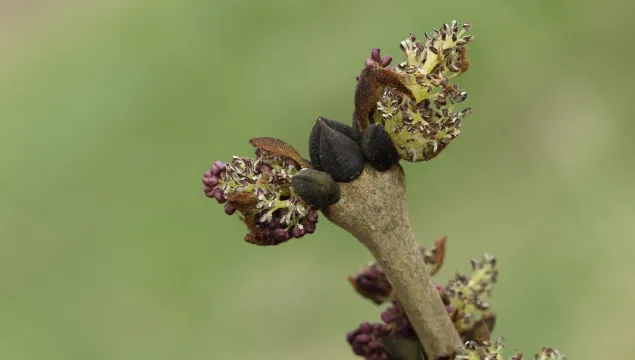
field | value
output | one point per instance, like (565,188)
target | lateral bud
(314,138)
(378,148)
(336,150)
(316,187)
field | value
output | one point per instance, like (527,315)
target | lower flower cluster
(487,350)
(464,298)
(367,340)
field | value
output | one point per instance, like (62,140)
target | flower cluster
(261,191)
(467,295)
(486,350)
(416,104)
(372,283)
(546,353)
(406,111)
(367,341)
(464,298)
(370,340)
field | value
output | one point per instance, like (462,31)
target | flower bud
(366,341)
(377,60)
(396,319)
(372,284)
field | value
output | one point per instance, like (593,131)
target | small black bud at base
(316,187)
(340,156)
(314,138)
(378,148)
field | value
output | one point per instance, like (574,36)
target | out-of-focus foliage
(110,111)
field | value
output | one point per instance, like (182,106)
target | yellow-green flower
(422,127)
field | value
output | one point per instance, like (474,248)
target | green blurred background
(110,111)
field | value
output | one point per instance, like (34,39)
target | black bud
(379,148)
(340,156)
(316,187)
(314,138)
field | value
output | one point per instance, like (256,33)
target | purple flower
(366,341)
(376,59)
(372,284)
(261,191)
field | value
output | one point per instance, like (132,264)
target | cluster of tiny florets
(366,341)
(395,318)
(483,350)
(406,111)
(468,295)
(371,283)
(261,190)
(548,353)
(420,129)
(487,350)
(462,297)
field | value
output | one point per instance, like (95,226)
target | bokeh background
(110,111)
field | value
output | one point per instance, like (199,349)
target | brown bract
(280,148)
(246,204)
(439,254)
(372,82)
(481,329)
